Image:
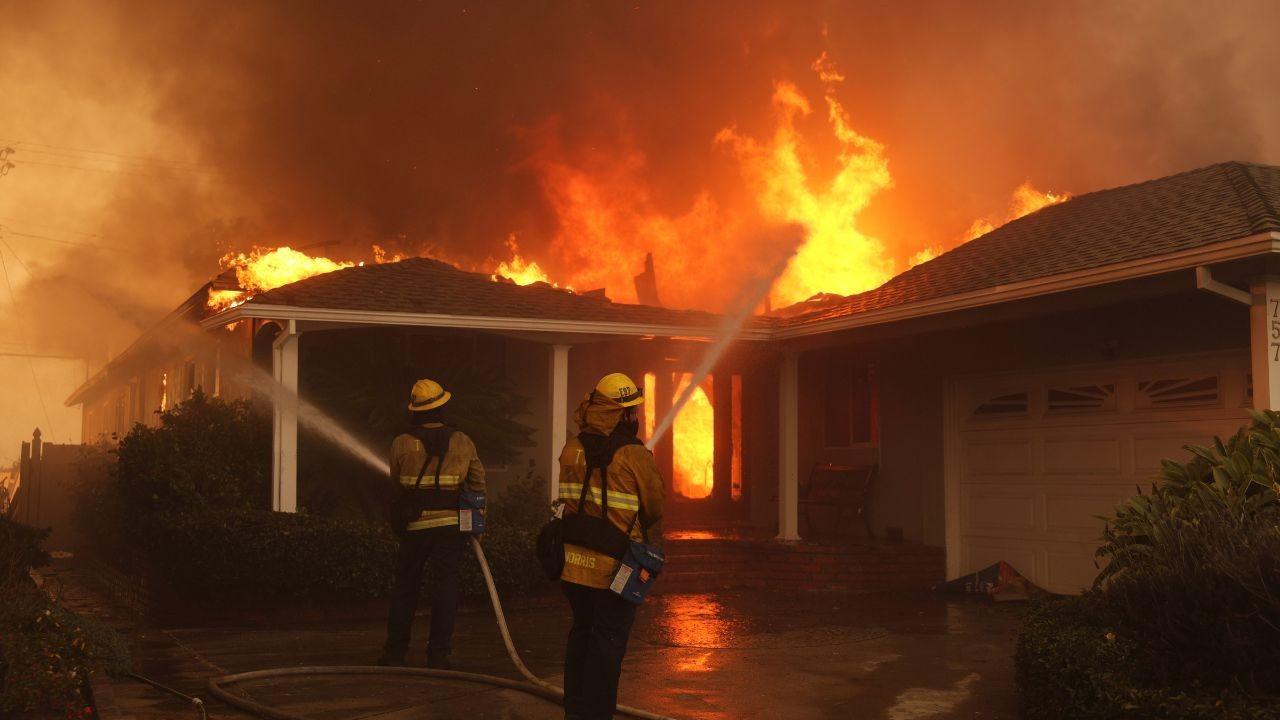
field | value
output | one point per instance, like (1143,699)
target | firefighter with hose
(612,495)
(440,500)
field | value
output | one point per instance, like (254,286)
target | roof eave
(1252,245)
(470,322)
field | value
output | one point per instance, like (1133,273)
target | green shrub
(20,552)
(1184,621)
(46,654)
(207,452)
(1076,661)
(251,555)
(1194,565)
(186,501)
(247,555)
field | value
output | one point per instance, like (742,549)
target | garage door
(1034,458)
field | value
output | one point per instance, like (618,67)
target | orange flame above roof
(264,269)
(1026,200)
(836,257)
(518,269)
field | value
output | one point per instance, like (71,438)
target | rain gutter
(469,322)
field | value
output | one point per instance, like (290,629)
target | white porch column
(284,450)
(559,414)
(1264,342)
(788,447)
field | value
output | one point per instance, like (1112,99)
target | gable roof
(1162,217)
(427,287)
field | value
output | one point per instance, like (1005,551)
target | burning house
(1008,391)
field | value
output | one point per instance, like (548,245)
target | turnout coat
(635,489)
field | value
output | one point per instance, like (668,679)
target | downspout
(1205,281)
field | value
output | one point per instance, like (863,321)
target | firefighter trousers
(442,548)
(597,643)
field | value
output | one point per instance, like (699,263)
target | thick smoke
(447,126)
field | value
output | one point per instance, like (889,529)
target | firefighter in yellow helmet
(432,465)
(631,508)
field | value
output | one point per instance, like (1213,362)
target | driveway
(725,655)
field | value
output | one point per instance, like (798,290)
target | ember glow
(266,269)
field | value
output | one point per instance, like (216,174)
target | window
(1007,404)
(851,405)
(1082,398)
(1178,392)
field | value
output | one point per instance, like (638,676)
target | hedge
(46,651)
(246,556)
(1076,662)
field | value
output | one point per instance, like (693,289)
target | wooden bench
(847,488)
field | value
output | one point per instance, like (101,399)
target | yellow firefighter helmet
(620,389)
(427,395)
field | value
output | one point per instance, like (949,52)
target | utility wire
(59,228)
(130,158)
(118,164)
(75,243)
(30,364)
(113,171)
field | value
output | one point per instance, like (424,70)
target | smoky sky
(418,125)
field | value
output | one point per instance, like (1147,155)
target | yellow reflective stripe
(429,481)
(617,499)
(434,518)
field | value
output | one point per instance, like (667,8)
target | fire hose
(534,685)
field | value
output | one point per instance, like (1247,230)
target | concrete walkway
(725,655)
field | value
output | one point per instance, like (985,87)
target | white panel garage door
(1033,459)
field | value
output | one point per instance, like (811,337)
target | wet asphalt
(716,655)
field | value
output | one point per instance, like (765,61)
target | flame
(380,256)
(607,219)
(924,256)
(693,440)
(1026,200)
(517,269)
(264,269)
(836,257)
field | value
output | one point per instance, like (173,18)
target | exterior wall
(913,372)
(528,368)
(131,395)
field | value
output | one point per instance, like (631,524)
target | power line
(48,356)
(25,269)
(130,158)
(126,164)
(59,228)
(74,243)
(113,171)
(30,364)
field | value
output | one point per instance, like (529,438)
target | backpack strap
(435,446)
(604,457)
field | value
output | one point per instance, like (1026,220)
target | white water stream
(753,294)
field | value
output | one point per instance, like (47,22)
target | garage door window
(1082,398)
(1007,404)
(1178,392)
